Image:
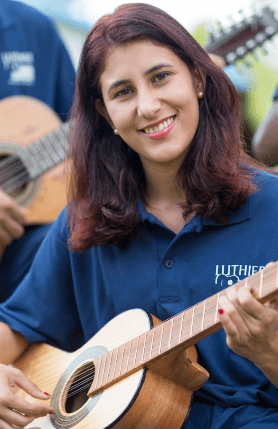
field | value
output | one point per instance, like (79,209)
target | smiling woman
(165,210)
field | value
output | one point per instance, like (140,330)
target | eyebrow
(146,73)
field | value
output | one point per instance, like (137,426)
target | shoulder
(25,15)
(267,189)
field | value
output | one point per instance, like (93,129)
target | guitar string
(85,383)
(10,160)
(15,183)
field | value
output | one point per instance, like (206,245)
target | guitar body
(24,120)
(144,400)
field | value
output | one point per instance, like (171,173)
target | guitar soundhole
(78,387)
(14,175)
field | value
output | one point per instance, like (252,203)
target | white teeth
(160,127)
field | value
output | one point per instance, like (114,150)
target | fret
(115,363)
(101,371)
(109,364)
(191,327)
(187,324)
(166,336)
(98,370)
(209,312)
(148,343)
(160,342)
(141,349)
(151,348)
(131,357)
(126,358)
(120,361)
(181,327)
(157,332)
(176,328)
(170,334)
(112,365)
(45,153)
(135,354)
(197,321)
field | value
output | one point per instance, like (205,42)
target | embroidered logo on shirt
(20,66)
(227,275)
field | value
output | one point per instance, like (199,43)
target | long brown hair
(107,176)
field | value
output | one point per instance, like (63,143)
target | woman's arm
(13,409)
(12,344)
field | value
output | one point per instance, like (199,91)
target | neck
(161,185)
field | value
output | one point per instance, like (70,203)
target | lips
(160,129)
(159,126)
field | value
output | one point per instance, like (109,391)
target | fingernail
(220,311)
(47,394)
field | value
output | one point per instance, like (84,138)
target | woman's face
(150,97)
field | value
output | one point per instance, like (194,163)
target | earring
(200,94)
(116,132)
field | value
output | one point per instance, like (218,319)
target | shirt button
(169,263)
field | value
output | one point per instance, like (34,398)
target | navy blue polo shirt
(67,297)
(33,58)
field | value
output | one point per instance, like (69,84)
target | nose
(148,104)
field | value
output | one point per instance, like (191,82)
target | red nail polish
(47,394)
(220,311)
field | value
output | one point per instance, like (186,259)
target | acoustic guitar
(33,146)
(242,37)
(136,372)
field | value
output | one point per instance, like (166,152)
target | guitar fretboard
(181,331)
(45,153)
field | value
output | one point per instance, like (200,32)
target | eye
(160,76)
(123,92)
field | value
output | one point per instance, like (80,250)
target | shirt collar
(241,214)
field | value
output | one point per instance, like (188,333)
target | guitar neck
(244,37)
(179,332)
(46,153)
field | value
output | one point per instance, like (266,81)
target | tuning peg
(231,58)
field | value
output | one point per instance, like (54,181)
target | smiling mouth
(159,127)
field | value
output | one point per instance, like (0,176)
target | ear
(199,79)
(101,109)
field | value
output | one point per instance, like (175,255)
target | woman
(166,210)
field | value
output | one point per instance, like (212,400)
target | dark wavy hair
(107,176)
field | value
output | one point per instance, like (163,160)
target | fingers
(14,410)
(12,219)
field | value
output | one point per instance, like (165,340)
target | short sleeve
(43,307)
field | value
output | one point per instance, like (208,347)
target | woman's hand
(12,218)
(14,410)
(252,329)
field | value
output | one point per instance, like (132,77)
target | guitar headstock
(243,37)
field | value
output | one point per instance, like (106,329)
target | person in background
(166,209)
(33,62)
(265,140)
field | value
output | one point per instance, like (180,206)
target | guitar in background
(33,146)
(235,42)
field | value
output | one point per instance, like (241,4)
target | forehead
(133,59)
